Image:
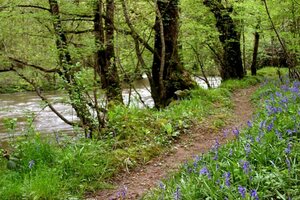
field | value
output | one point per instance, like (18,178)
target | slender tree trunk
(105,56)
(78,102)
(255,51)
(168,74)
(229,37)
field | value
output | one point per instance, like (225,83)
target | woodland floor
(200,140)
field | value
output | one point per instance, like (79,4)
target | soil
(140,180)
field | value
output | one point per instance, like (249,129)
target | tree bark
(105,55)
(78,102)
(168,74)
(230,38)
(255,51)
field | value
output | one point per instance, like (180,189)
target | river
(22,106)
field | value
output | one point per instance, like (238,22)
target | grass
(64,168)
(261,163)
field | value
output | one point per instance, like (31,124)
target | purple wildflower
(249,123)
(294,90)
(236,132)
(226,131)
(246,166)
(204,171)
(230,152)
(216,155)
(288,163)
(284,100)
(31,164)
(290,132)
(177,194)
(162,186)
(278,94)
(279,134)
(270,127)
(254,195)
(247,149)
(285,88)
(227,178)
(262,124)
(288,149)
(242,191)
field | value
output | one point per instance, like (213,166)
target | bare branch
(34,66)
(79,32)
(46,100)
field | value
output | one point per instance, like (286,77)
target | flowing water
(27,105)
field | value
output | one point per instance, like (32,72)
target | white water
(20,105)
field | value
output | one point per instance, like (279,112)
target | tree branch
(55,70)
(133,32)
(44,99)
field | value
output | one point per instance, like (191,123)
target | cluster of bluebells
(264,130)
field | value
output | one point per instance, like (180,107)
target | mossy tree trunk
(168,74)
(232,66)
(105,55)
(67,72)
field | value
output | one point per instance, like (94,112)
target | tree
(232,66)
(168,74)
(67,72)
(105,55)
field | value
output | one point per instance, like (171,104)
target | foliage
(261,163)
(67,166)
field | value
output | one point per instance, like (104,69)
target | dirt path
(141,179)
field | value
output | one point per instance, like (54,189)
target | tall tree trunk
(105,56)
(78,102)
(168,74)
(255,51)
(229,37)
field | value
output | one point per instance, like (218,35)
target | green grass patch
(261,163)
(65,167)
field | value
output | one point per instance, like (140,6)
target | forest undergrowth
(64,167)
(262,162)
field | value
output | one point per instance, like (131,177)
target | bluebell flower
(278,134)
(204,171)
(247,149)
(284,100)
(242,191)
(236,132)
(285,88)
(177,194)
(278,94)
(288,149)
(230,152)
(31,164)
(262,124)
(162,186)
(245,166)
(249,123)
(270,126)
(258,138)
(254,195)
(227,178)
(294,90)
(288,163)
(226,131)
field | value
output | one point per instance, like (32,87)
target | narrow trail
(200,140)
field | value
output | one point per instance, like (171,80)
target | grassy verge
(67,168)
(261,163)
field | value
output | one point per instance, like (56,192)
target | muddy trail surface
(141,179)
